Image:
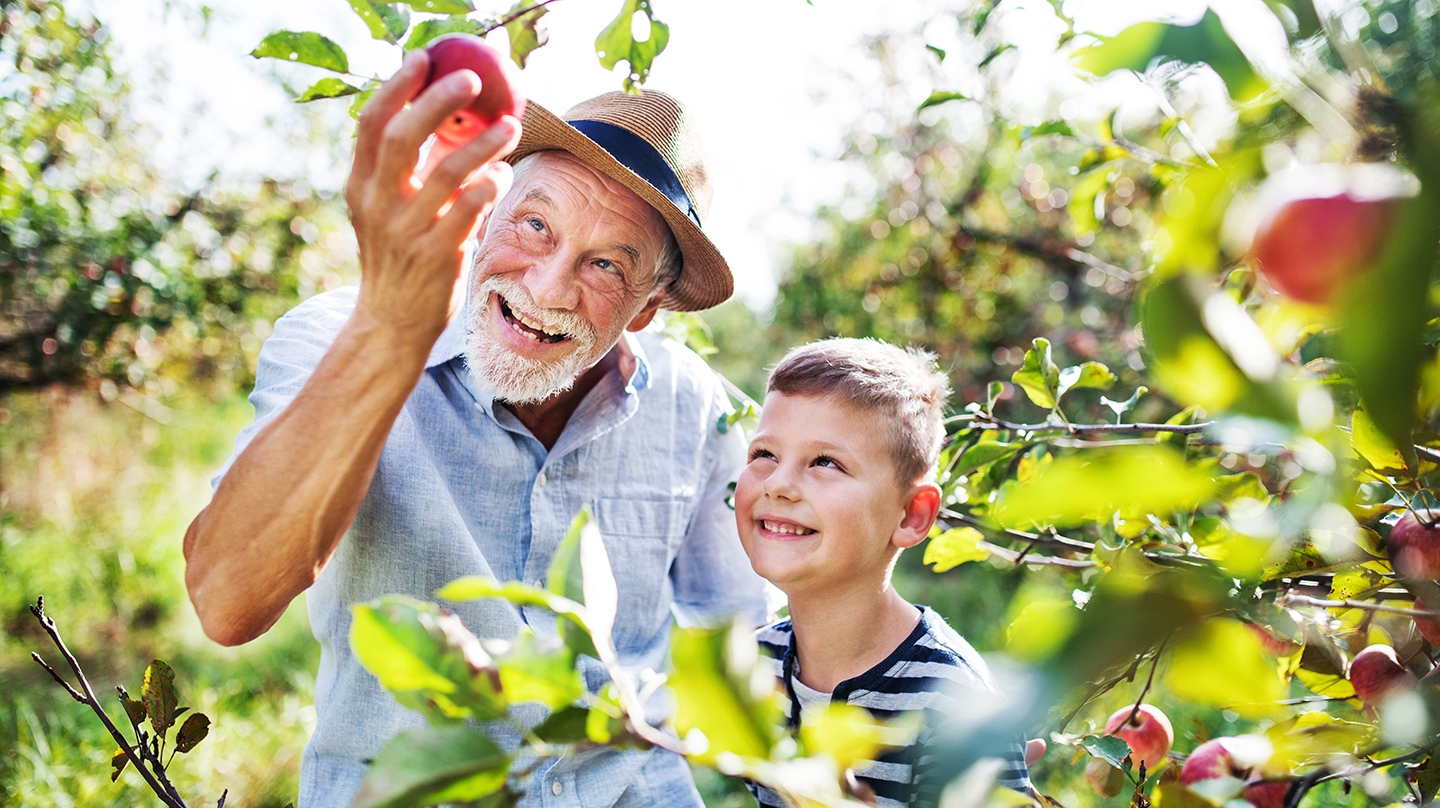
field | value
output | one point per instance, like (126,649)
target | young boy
(840,479)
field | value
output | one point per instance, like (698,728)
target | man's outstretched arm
(281,510)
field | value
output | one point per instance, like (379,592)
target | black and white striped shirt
(930,672)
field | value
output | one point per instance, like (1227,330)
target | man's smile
(528,327)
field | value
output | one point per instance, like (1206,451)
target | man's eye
(536,224)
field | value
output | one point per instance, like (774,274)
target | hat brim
(705,278)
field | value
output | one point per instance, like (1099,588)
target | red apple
(1414,545)
(1429,627)
(1104,779)
(1148,733)
(1237,757)
(1272,643)
(1376,674)
(1267,793)
(1320,225)
(499,91)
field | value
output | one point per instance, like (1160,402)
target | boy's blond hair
(903,387)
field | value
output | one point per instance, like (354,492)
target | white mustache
(517,297)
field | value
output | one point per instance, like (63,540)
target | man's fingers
(407,130)
(475,201)
(384,105)
(460,167)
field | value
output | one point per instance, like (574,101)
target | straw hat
(648,143)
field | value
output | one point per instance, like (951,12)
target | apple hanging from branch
(1414,545)
(1148,733)
(499,89)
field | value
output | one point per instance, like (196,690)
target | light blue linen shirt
(463,488)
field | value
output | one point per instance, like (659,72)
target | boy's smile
(818,502)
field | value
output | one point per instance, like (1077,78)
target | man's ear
(648,313)
(920,513)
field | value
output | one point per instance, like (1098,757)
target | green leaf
(937,98)
(303,47)
(329,87)
(1122,407)
(1092,375)
(159,696)
(1039,627)
(993,391)
(414,646)
(1204,42)
(1382,317)
(535,671)
(424,33)
(722,693)
(192,732)
(1049,128)
(432,765)
(990,57)
(983,454)
(1039,377)
(1094,486)
(564,726)
(526,35)
(386,21)
(1357,583)
(1301,21)
(939,52)
(441,6)
(1427,779)
(359,103)
(118,761)
(616,43)
(954,547)
(1222,664)
(134,709)
(1109,748)
(1087,201)
(566,579)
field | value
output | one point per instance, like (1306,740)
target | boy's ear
(920,514)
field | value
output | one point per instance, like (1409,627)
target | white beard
(517,379)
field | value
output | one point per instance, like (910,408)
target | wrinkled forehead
(561,179)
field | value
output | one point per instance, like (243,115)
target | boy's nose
(780,484)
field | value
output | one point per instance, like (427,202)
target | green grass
(94,501)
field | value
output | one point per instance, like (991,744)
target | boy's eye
(826,461)
(757,454)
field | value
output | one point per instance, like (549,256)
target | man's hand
(412,224)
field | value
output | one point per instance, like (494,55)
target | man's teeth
(536,331)
(786,527)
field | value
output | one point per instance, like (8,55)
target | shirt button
(540,480)
(556,789)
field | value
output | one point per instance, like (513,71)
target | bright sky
(772,82)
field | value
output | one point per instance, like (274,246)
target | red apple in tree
(1414,545)
(1376,674)
(1429,627)
(1272,643)
(499,91)
(1238,757)
(1149,734)
(1267,793)
(1320,225)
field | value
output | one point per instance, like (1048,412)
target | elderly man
(421,429)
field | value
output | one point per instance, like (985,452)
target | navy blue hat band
(635,154)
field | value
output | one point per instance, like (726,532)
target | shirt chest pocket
(641,538)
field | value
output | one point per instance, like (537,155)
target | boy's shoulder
(941,651)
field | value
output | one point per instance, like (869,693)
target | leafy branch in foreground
(157,705)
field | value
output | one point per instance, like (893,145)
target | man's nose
(553,282)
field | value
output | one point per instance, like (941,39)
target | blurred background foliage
(134,308)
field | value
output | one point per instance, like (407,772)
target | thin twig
(1419,751)
(49,625)
(517,15)
(1017,557)
(1088,429)
(1052,540)
(1306,600)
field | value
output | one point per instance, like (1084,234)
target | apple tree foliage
(110,273)
(1197,473)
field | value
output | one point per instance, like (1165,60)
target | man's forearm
(284,505)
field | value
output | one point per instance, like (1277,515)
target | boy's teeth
(784,527)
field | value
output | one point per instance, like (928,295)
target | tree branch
(48,624)
(1306,600)
(1086,429)
(517,15)
(1047,250)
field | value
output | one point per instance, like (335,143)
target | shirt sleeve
(289,357)
(713,580)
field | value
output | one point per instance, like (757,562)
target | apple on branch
(1414,545)
(1429,627)
(1376,673)
(1148,732)
(499,90)
(1318,226)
